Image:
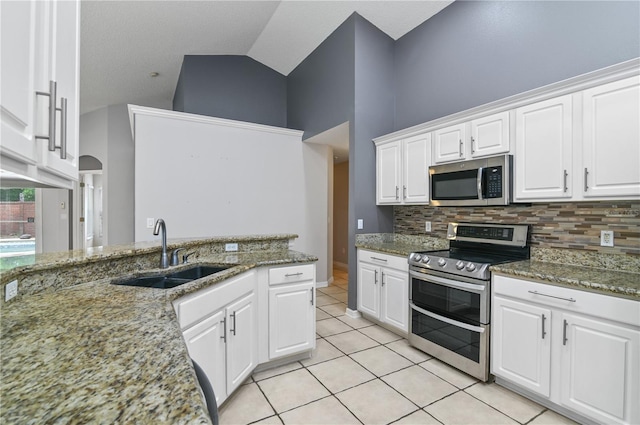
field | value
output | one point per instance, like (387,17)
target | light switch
(360,224)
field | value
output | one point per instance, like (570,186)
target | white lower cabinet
(292,310)
(228,325)
(578,350)
(383,288)
(225,342)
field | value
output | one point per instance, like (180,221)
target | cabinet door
(611,132)
(368,291)
(388,168)
(18,32)
(395,298)
(449,143)
(242,340)
(416,161)
(490,135)
(543,150)
(521,344)
(62,43)
(205,344)
(291,319)
(600,369)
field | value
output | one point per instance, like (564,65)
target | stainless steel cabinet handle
(472,145)
(382,278)
(397,188)
(224,330)
(293,274)
(564,333)
(233,330)
(404,192)
(552,296)
(544,318)
(311,295)
(63,128)
(461,148)
(53,89)
(586,175)
(379,259)
(565,180)
(375,281)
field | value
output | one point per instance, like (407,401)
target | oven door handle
(471,328)
(469,287)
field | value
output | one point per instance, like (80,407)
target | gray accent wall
(475,52)
(349,77)
(232,87)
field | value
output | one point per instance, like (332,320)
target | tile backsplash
(574,225)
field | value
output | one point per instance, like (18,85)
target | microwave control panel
(493,182)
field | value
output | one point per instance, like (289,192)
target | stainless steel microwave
(477,182)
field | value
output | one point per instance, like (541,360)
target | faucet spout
(164,258)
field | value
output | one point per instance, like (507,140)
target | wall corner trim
(184,116)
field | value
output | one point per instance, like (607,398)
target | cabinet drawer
(598,305)
(194,307)
(291,274)
(384,260)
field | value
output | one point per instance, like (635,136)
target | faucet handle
(186,256)
(174,256)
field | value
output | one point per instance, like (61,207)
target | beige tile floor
(361,373)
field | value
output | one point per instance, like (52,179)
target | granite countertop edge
(602,281)
(121,350)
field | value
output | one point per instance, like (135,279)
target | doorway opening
(90,228)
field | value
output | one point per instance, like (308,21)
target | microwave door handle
(479,181)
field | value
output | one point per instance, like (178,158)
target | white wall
(53,211)
(213,177)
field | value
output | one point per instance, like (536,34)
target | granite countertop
(401,245)
(97,352)
(605,281)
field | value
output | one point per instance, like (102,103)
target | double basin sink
(171,280)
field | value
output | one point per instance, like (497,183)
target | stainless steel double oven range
(450,293)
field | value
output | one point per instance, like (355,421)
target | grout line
(487,404)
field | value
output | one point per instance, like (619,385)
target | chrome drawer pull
(378,259)
(586,176)
(375,281)
(224,330)
(53,86)
(565,180)
(564,333)
(233,330)
(293,274)
(544,318)
(311,295)
(552,296)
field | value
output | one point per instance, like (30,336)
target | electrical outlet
(150,223)
(231,247)
(606,238)
(427,226)
(11,290)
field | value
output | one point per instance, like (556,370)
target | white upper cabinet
(543,159)
(402,171)
(18,54)
(490,135)
(611,140)
(40,45)
(480,137)
(449,143)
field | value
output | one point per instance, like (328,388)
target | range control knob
(425,259)
(459,265)
(441,262)
(417,257)
(471,267)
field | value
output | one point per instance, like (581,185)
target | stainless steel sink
(171,280)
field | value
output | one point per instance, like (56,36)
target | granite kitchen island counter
(101,353)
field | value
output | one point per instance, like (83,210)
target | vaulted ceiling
(123,42)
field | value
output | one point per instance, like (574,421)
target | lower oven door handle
(469,287)
(471,328)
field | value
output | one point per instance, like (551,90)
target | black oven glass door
(456,304)
(462,339)
(455,185)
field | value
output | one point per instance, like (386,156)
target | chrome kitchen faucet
(164,258)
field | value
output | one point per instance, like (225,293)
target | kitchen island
(89,351)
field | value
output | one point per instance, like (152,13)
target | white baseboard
(323,284)
(354,314)
(340,266)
